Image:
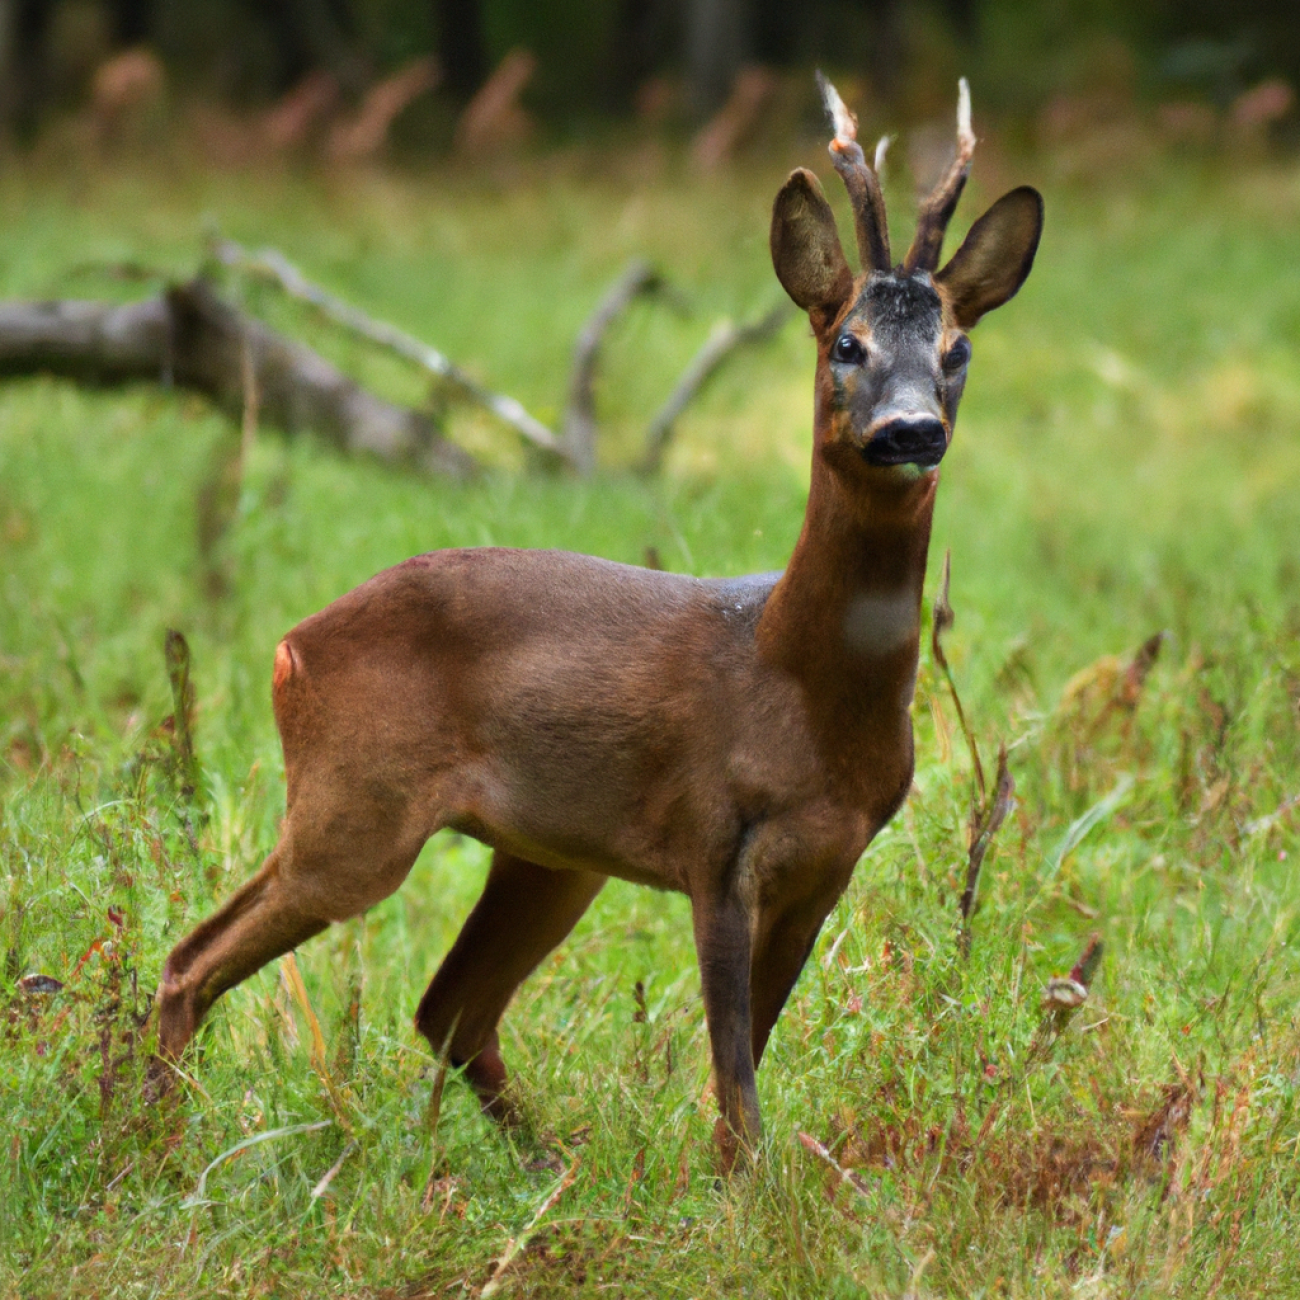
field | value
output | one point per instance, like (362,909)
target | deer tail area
(286,666)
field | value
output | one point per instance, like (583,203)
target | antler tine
(882,148)
(859,179)
(936,211)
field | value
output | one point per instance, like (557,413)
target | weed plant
(1127,463)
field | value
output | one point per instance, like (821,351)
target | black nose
(915,440)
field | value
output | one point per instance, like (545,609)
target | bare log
(192,338)
(725,337)
(93,342)
(273,265)
(579,427)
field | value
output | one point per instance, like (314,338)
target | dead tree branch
(191,337)
(269,264)
(580,428)
(724,339)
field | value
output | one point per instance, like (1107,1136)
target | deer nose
(906,440)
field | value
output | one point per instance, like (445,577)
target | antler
(861,181)
(937,210)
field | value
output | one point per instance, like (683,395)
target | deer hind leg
(310,879)
(263,920)
(525,911)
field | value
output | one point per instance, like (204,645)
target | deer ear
(995,256)
(806,248)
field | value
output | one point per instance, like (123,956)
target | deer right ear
(995,258)
(806,249)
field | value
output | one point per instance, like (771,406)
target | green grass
(1127,462)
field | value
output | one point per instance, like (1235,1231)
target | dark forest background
(573,67)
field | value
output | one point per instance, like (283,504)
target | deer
(740,741)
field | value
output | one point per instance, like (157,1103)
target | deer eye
(957,356)
(849,350)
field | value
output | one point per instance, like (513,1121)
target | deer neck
(844,619)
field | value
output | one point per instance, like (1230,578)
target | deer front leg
(722,945)
(780,952)
(524,912)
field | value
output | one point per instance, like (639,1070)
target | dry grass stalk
(985,821)
(943,618)
(987,812)
(516,1244)
(332,1172)
(298,992)
(176,651)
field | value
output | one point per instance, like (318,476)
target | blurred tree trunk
(24,70)
(133,22)
(644,37)
(461,48)
(313,34)
(717,45)
(964,17)
(330,33)
(887,65)
(6,60)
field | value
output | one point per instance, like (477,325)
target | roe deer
(739,740)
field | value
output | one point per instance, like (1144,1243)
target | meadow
(1127,463)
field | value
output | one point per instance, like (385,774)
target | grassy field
(1127,463)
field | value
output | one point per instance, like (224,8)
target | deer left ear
(806,249)
(995,257)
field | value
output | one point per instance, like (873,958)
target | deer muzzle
(906,440)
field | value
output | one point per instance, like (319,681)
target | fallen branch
(270,264)
(192,338)
(724,339)
(579,428)
(819,1149)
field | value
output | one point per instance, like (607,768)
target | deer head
(891,342)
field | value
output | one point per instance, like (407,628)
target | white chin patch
(911,471)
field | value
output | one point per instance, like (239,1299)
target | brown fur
(737,741)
